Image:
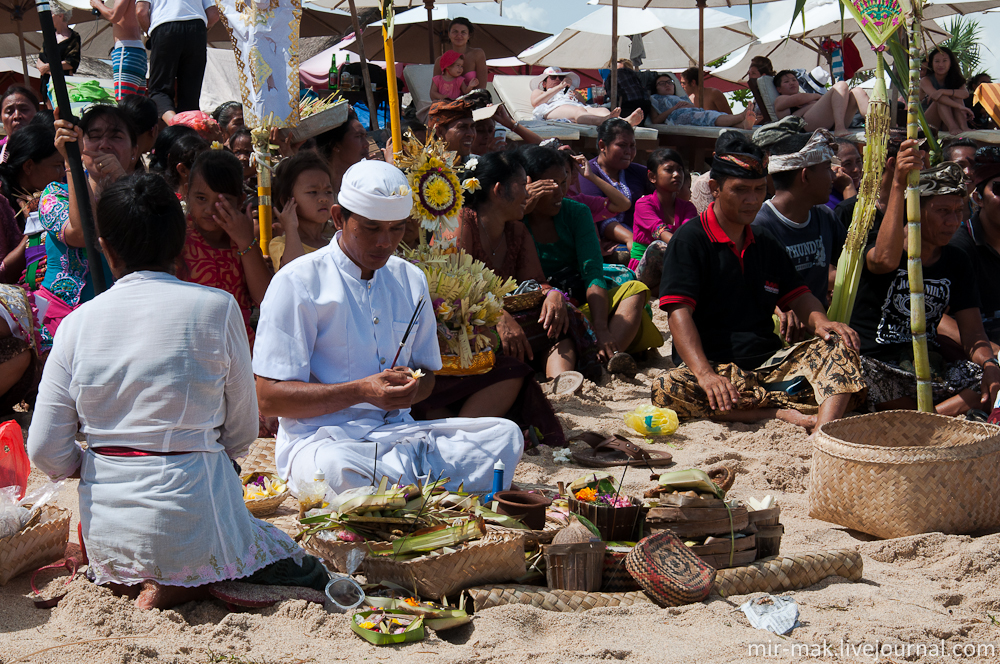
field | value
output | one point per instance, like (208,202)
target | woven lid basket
(259,458)
(334,553)
(261,507)
(523,301)
(35,546)
(668,571)
(900,473)
(496,558)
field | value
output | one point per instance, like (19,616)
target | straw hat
(536,82)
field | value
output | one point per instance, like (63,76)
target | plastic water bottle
(498,469)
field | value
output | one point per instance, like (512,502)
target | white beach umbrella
(669,38)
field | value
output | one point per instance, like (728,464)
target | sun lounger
(515,93)
(418,81)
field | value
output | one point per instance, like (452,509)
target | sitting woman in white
(155,373)
(554,97)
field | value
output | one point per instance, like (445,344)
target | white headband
(376,190)
(816,151)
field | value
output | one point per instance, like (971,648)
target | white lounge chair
(418,81)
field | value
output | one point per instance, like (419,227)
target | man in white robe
(330,324)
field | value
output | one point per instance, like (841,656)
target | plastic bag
(652,421)
(13,513)
(14,464)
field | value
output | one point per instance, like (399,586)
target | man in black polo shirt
(980,240)
(721,284)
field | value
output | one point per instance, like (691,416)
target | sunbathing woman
(554,97)
(834,110)
(672,109)
(943,92)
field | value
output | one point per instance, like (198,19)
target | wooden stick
(613,77)
(365,76)
(409,328)
(701,53)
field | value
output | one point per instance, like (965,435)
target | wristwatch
(992,361)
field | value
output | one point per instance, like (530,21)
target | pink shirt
(451,89)
(650,222)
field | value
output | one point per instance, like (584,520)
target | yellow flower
(471,185)
(412,601)
(367,625)
(586,495)
(438,192)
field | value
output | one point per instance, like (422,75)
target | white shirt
(320,322)
(168,11)
(155,364)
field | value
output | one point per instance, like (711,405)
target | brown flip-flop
(620,451)
(592,438)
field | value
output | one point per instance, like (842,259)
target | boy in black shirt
(882,308)
(721,284)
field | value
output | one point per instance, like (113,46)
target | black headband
(738,165)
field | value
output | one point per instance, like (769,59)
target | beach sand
(929,591)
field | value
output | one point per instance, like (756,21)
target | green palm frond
(964,43)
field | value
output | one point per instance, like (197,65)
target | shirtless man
(128,57)
(833,110)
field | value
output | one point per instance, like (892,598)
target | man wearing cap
(980,238)
(882,307)
(797,215)
(451,121)
(721,284)
(331,324)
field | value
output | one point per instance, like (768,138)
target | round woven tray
(900,473)
(266,506)
(529,300)
(35,546)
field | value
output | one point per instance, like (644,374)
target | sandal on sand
(253,596)
(620,451)
(567,382)
(623,363)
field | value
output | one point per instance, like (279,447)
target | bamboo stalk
(262,140)
(390,70)
(918,318)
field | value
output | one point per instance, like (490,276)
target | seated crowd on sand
(203,342)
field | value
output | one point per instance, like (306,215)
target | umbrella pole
(429,4)
(80,189)
(365,77)
(24,55)
(613,78)
(701,53)
(390,70)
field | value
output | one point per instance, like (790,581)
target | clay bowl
(523,505)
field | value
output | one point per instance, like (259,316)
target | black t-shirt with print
(882,309)
(733,295)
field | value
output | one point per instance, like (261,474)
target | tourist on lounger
(882,308)
(330,330)
(834,110)
(155,374)
(721,284)
(759,66)
(554,97)
(671,109)
(715,100)
(943,92)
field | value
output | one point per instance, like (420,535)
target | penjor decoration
(265,36)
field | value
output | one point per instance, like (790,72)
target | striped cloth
(988,95)
(128,67)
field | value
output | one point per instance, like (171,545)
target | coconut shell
(574,533)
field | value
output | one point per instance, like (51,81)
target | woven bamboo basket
(261,507)
(334,554)
(615,524)
(481,363)
(769,531)
(496,558)
(668,571)
(574,566)
(532,539)
(800,570)
(35,546)
(688,522)
(259,458)
(616,577)
(901,473)
(566,601)
(523,301)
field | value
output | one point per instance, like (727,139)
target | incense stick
(413,319)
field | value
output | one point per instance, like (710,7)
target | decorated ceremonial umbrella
(265,36)
(23,18)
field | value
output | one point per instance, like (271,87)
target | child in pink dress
(453,82)
(658,216)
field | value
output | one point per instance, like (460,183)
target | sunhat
(536,82)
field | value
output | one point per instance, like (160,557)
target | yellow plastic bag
(652,421)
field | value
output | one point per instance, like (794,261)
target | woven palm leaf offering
(467,296)
(263,493)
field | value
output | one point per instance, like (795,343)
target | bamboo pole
(918,317)
(429,4)
(261,139)
(613,77)
(365,76)
(24,54)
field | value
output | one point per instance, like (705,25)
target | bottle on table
(334,84)
(346,78)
